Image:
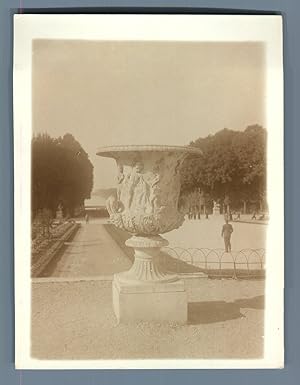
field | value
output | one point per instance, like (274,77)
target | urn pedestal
(146,205)
(156,302)
(146,292)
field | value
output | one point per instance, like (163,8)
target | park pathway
(92,252)
(97,252)
(207,234)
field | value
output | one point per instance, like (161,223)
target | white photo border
(197,28)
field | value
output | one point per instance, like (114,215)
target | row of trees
(232,170)
(62,174)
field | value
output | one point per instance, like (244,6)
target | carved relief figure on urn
(148,190)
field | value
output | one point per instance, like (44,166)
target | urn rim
(110,151)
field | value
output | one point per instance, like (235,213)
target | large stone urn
(146,205)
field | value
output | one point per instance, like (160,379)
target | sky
(110,93)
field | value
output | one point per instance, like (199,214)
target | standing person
(194,212)
(254,215)
(86,218)
(198,212)
(227,230)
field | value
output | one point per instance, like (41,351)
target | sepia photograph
(149,216)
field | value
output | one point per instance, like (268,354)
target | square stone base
(158,302)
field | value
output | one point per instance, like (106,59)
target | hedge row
(45,249)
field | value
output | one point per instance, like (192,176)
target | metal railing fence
(216,262)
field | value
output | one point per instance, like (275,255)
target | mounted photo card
(149,195)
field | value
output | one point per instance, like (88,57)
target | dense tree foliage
(62,173)
(232,169)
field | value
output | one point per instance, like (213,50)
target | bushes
(45,249)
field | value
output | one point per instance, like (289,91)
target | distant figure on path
(87,218)
(226,234)
(254,215)
(197,212)
(194,212)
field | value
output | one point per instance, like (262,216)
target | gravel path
(91,253)
(75,320)
(206,233)
(98,248)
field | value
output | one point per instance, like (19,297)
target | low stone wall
(48,248)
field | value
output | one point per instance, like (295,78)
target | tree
(232,168)
(61,173)
(77,173)
(251,157)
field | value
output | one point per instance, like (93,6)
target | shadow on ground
(169,263)
(257,302)
(220,311)
(175,265)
